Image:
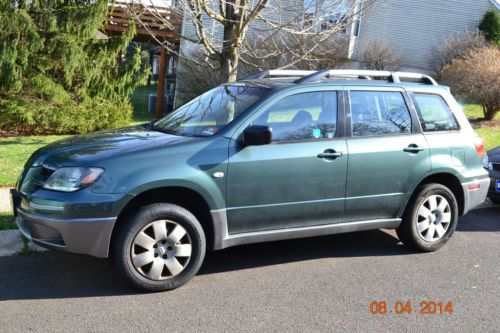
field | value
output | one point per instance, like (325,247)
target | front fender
(208,190)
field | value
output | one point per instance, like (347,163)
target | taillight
(479,144)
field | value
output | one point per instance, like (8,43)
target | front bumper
(475,193)
(84,236)
(77,222)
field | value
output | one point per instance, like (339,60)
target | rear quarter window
(433,113)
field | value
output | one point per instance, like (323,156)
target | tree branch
(212,13)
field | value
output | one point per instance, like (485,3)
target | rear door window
(433,113)
(379,113)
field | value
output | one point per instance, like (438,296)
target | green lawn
(139,100)
(489,131)
(490,135)
(475,111)
(7,221)
(14,152)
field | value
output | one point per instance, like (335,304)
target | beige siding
(415,27)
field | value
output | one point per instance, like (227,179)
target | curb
(12,242)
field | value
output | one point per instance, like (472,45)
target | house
(412,28)
(415,28)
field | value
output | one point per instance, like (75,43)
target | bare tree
(263,56)
(380,56)
(189,78)
(297,51)
(457,46)
(230,31)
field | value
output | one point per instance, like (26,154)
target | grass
(14,152)
(139,100)
(473,111)
(488,130)
(490,135)
(7,221)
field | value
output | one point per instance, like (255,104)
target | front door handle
(330,154)
(413,148)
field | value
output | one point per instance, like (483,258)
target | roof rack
(277,73)
(395,77)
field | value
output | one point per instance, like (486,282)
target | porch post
(161,83)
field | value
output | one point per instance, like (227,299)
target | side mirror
(257,135)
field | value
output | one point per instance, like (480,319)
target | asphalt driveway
(318,284)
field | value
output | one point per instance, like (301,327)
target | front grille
(496,166)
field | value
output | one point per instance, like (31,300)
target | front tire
(430,219)
(161,247)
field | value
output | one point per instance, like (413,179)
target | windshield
(210,112)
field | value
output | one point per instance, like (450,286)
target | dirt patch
(482,123)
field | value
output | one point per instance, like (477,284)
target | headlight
(486,162)
(72,179)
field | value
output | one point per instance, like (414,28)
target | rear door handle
(413,148)
(330,154)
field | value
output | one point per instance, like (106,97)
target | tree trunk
(489,112)
(230,55)
(229,65)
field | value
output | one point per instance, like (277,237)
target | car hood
(90,148)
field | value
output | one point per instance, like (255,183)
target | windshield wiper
(150,125)
(162,130)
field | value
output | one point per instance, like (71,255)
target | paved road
(320,284)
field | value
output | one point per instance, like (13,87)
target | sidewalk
(5,205)
(11,242)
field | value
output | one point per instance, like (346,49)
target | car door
(387,153)
(297,180)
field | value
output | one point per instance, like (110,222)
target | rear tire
(161,247)
(430,218)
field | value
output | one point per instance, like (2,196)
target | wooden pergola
(152,25)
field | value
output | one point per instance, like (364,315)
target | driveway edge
(12,242)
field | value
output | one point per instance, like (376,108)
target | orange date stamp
(406,307)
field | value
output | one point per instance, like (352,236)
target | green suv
(275,155)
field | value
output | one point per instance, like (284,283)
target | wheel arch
(447,179)
(185,197)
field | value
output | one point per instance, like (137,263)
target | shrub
(22,115)
(490,26)
(457,47)
(475,77)
(379,56)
